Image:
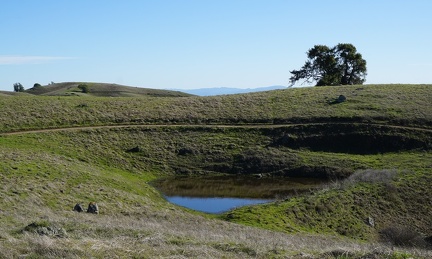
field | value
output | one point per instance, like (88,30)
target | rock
(78,208)
(52,231)
(93,208)
(185,151)
(370,222)
(134,150)
(341,99)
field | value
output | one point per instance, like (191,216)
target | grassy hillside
(9,93)
(375,147)
(100,89)
(384,104)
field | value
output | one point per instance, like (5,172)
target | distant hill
(9,93)
(101,89)
(229,90)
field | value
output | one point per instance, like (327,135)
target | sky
(190,44)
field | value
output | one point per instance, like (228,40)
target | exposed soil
(353,138)
(350,138)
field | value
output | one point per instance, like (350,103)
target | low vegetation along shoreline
(375,148)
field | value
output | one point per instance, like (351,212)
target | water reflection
(213,204)
(217,194)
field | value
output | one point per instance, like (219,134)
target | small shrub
(320,208)
(235,248)
(43,228)
(402,236)
(371,176)
(82,105)
(35,225)
(135,149)
(338,253)
(84,88)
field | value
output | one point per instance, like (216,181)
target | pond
(213,205)
(218,194)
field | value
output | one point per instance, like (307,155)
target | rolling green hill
(375,147)
(100,89)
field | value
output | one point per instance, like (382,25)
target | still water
(218,194)
(213,205)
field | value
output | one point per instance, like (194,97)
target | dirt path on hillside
(207,126)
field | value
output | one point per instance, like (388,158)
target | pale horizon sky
(190,44)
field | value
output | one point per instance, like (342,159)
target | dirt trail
(207,125)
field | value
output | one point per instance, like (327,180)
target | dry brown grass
(169,233)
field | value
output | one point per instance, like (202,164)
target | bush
(84,88)
(384,176)
(373,176)
(402,236)
(35,225)
(43,228)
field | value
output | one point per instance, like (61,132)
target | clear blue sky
(189,44)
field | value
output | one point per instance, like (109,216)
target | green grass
(100,90)
(389,104)
(344,209)
(44,174)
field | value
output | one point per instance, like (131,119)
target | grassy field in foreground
(45,174)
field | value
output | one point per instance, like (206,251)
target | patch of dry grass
(172,234)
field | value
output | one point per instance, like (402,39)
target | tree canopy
(340,65)
(18,87)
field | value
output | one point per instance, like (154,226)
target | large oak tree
(340,65)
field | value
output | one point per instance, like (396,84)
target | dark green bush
(84,88)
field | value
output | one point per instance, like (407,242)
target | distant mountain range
(228,90)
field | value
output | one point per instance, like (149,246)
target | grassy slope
(100,89)
(391,104)
(43,175)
